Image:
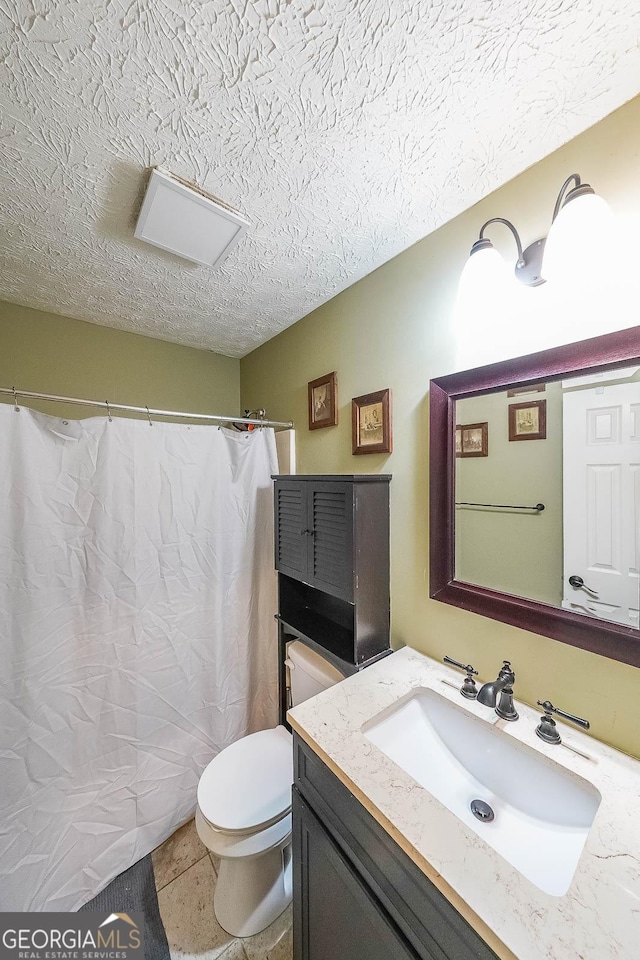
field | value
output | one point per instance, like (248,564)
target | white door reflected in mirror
(601,479)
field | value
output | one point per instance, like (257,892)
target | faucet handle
(506,670)
(468,688)
(547,729)
(456,663)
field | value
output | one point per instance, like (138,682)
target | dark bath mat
(135,890)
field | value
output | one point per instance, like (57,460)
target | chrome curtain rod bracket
(144,411)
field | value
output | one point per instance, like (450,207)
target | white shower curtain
(137,637)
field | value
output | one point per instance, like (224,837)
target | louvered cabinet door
(331,538)
(291,529)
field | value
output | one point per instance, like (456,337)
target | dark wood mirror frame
(600,353)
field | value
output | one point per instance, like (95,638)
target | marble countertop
(597,919)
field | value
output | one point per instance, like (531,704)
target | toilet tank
(309,673)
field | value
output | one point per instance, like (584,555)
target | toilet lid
(248,785)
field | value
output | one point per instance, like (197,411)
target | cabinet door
(335,916)
(419,911)
(330,549)
(291,528)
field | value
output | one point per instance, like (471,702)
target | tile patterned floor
(186,876)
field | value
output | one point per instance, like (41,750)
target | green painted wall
(393,329)
(47,353)
(489,542)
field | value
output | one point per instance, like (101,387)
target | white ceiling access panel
(180,218)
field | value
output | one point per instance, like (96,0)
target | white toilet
(244,810)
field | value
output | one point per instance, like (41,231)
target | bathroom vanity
(387,867)
(357,895)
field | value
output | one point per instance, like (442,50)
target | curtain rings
(108,412)
(15,401)
(149,416)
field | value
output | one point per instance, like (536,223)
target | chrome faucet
(503,685)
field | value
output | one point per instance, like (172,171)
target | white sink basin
(542,812)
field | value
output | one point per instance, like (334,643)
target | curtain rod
(146,411)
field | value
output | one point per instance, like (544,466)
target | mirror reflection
(547,487)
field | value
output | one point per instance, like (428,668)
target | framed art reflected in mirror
(472,440)
(544,535)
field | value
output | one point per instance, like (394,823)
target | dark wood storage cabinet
(332,557)
(315,526)
(333,533)
(356,894)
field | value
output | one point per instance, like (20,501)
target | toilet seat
(247,787)
(233,846)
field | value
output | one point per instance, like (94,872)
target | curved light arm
(579,189)
(563,190)
(507,223)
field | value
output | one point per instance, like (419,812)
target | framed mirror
(535,493)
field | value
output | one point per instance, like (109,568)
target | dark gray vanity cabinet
(335,894)
(356,894)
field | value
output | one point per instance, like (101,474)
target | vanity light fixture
(575,217)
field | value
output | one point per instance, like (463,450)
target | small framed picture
(323,401)
(472,440)
(371,423)
(521,391)
(528,421)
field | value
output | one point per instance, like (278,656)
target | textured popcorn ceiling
(345,130)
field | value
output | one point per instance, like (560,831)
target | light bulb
(482,286)
(485,310)
(579,248)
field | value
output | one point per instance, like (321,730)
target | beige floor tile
(177,854)
(186,908)
(274,943)
(215,861)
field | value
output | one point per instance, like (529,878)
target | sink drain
(482,811)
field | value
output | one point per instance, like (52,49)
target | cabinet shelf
(329,635)
(294,632)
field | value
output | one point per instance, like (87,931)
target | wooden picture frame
(617,641)
(528,421)
(323,401)
(371,423)
(522,391)
(472,439)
